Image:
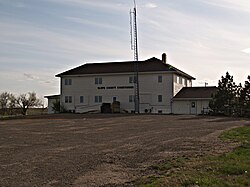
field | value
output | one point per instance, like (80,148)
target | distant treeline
(11,104)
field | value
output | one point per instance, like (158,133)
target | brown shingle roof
(196,92)
(150,65)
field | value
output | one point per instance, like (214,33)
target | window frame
(81,99)
(160,79)
(70,99)
(67,82)
(98,99)
(98,80)
(160,98)
(66,99)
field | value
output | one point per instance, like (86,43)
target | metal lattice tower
(134,47)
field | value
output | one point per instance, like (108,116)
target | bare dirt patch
(101,150)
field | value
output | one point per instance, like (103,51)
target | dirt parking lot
(100,150)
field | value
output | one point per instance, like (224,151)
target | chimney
(164,58)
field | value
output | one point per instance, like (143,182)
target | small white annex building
(51,100)
(193,100)
(87,87)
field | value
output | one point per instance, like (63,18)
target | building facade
(87,87)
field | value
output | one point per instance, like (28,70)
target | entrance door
(193,109)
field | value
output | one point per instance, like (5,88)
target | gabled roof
(150,65)
(196,92)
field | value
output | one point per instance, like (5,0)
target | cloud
(30,76)
(151,5)
(247,50)
(93,23)
(97,4)
(239,5)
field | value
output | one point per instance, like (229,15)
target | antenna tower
(134,47)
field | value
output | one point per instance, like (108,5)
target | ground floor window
(193,104)
(98,99)
(159,98)
(81,99)
(68,99)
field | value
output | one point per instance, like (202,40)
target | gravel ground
(100,150)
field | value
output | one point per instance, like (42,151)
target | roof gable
(150,65)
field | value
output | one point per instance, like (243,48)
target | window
(175,78)
(131,98)
(98,99)
(159,111)
(132,79)
(159,98)
(160,79)
(81,99)
(185,82)
(67,81)
(180,80)
(193,104)
(114,99)
(68,99)
(98,80)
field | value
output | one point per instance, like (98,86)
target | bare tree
(25,101)
(12,103)
(4,97)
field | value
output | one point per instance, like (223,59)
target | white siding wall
(180,82)
(184,106)
(149,91)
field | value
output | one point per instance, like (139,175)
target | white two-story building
(86,87)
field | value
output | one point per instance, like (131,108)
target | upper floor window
(175,78)
(180,80)
(67,81)
(98,99)
(160,78)
(98,80)
(185,82)
(81,99)
(68,99)
(132,79)
(159,98)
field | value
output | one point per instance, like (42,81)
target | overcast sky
(41,38)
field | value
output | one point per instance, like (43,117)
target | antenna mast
(134,47)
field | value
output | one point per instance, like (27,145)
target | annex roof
(150,65)
(52,96)
(196,92)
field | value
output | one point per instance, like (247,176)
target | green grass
(230,169)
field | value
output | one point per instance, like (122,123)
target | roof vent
(164,58)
